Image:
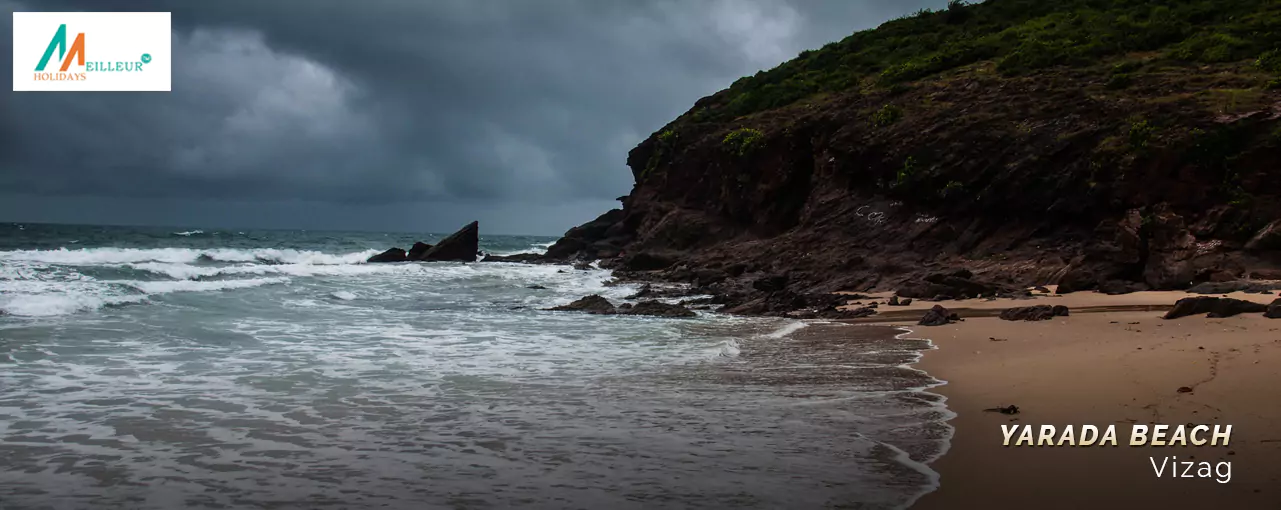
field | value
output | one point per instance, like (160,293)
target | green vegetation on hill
(1021,36)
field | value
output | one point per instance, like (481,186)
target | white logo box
(121,51)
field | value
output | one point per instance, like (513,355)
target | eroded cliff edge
(1154,166)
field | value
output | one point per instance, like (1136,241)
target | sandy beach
(1112,361)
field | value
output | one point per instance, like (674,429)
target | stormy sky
(398,115)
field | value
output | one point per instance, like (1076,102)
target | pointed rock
(461,246)
(417,251)
(391,255)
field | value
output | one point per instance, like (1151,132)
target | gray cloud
(393,114)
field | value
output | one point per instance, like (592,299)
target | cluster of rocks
(938,316)
(597,305)
(1034,313)
(958,284)
(1217,307)
(461,246)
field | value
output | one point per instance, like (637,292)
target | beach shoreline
(1118,363)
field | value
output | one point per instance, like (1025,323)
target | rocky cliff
(1091,144)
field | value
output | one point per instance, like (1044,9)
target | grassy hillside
(1021,37)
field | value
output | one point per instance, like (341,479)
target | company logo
(59,43)
(91,51)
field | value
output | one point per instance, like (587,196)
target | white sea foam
(97,256)
(343,295)
(201,286)
(189,233)
(788,329)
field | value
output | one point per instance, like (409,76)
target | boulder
(646,290)
(1034,313)
(660,309)
(1274,310)
(460,246)
(416,252)
(937,316)
(593,304)
(391,255)
(1214,306)
(1119,287)
(1234,286)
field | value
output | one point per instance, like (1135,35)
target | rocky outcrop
(659,309)
(461,246)
(391,255)
(1034,313)
(1274,310)
(593,304)
(938,316)
(1025,179)
(600,238)
(1214,307)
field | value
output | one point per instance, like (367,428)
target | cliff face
(1129,170)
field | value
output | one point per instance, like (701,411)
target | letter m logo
(59,43)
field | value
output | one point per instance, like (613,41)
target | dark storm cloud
(524,107)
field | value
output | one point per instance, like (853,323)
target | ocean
(160,368)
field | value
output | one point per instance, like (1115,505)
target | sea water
(160,368)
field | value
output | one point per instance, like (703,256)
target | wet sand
(1113,361)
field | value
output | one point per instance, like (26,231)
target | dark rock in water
(593,304)
(1274,310)
(1119,287)
(1034,313)
(460,246)
(646,290)
(583,266)
(660,309)
(856,313)
(523,258)
(391,255)
(1234,286)
(416,252)
(536,287)
(1218,307)
(937,316)
(771,283)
